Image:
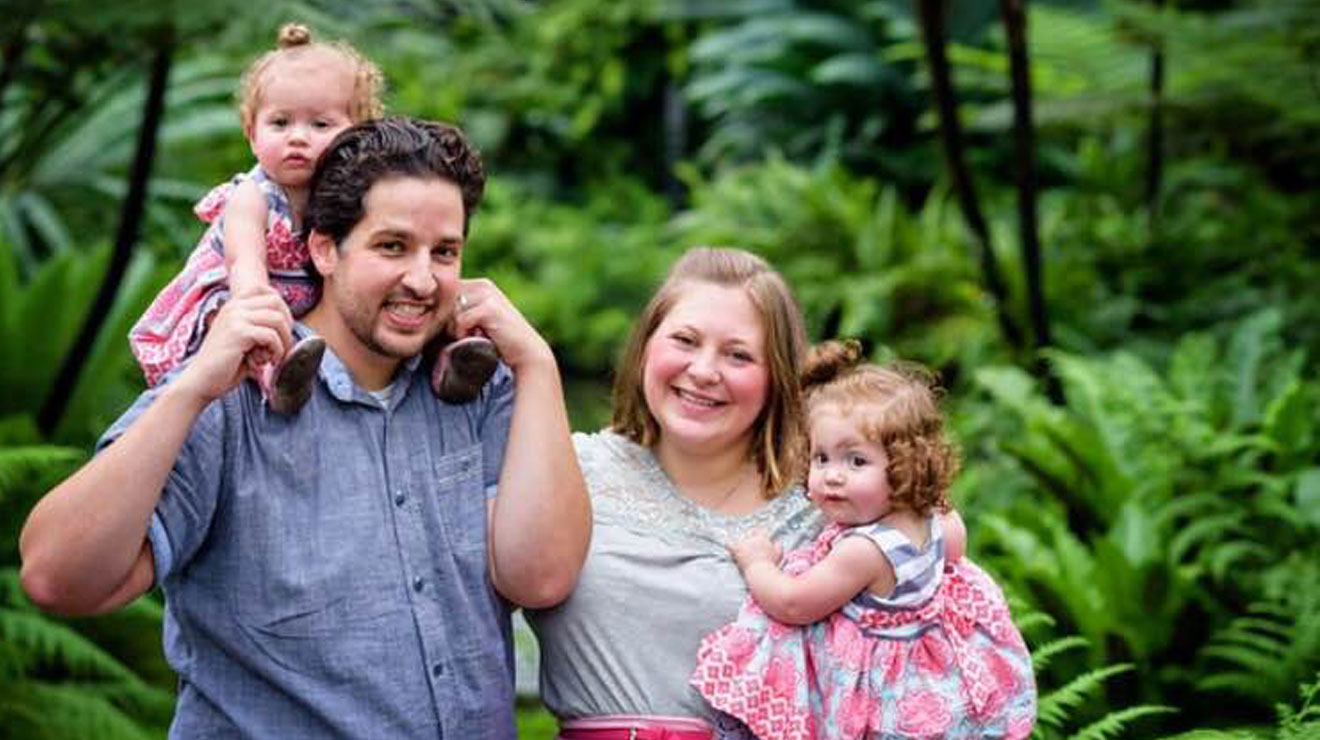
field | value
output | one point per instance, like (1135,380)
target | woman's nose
(704,367)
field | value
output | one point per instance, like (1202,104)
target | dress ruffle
(172,327)
(964,673)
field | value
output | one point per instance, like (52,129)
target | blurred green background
(1096,218)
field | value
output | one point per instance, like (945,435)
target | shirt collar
(339,381)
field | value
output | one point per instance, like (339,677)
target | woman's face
(705,375)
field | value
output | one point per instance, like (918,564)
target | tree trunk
(10,57)
(130,220)
(1155,142)
(931,13)
(1024,150)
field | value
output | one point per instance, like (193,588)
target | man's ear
(325,254)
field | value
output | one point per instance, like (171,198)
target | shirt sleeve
(495,427)
(188,502)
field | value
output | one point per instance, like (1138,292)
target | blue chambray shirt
(325,574)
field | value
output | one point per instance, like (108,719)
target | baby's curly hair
(294,42)
(897,405)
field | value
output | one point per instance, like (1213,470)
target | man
(342,572)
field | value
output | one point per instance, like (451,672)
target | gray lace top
(657,579)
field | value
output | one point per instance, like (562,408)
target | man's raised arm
(541,488)
(84,546)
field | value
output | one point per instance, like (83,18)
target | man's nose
(418,276)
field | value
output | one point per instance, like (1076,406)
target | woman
(705,445)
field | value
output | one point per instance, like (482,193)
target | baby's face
(847,480)
(304,105)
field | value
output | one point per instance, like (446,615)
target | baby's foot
(293,381)
(463,368)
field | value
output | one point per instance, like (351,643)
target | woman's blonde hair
(295,42)
(897,405)
(779,432)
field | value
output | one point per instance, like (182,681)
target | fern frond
(1112,724)
(71,710)
(53,643)
(1041,656)
(19,465)
(1032,621)
(1052,708)
(1241,733)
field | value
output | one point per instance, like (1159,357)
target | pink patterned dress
(172,328)
(938,658)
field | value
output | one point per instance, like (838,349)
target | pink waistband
(635,727)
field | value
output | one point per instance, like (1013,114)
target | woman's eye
(684,339)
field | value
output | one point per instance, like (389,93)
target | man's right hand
(257,321)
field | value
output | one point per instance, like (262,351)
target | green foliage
(1160,490)
(558,87)
(1068,692)
(861,264)
(64,679)
(69,131)
(539,252)
(39,319)
(764,76)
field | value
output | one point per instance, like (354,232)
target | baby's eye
(819,458)
(279,122)
(321,124)
(857,461)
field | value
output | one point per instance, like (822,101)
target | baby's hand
(755,548)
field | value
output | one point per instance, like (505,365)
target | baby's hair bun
(828,360)
(294,34)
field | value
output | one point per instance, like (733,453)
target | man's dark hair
(384,148)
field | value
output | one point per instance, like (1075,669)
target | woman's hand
(757,547)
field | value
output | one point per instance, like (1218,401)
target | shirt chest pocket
(458,500)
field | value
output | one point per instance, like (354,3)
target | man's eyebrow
(396,232)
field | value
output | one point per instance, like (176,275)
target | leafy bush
(102,678)
(861,264)
(1157,505)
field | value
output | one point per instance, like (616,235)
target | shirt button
(399,498)
(437,670)
(418,584)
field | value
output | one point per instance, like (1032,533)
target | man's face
(393,281)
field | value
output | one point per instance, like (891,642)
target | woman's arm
(853,566)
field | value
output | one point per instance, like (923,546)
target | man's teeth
(407,309)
